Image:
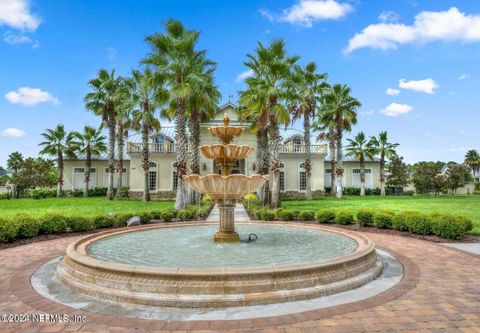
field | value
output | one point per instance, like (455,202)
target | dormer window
(159,139)
(297,141)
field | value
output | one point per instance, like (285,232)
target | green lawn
(461,205)
(78,206)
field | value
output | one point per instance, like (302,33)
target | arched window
(297,144)
(152,176)
(282,176)
(302,177)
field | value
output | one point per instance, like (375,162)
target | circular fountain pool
(179,265)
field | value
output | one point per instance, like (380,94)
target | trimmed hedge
(284,214)
(53,224)
(8,230)
(365,217)
(344,216)
(447,226)
(399,221)
(80,223)
(419,223)
(27,226)
(306,215)
(267,215)
(325,216)
(382,220)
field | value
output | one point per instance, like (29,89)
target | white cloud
(463,76)
(450,25)
(16,14)
(395,109)
(30,96)
(15,39)
(307,12)
(427,86)
(242,76)
(392,92)
(12,133)
(388,17)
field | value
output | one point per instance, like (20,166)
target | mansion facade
(163,179)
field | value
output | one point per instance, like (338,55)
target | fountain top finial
(226,120)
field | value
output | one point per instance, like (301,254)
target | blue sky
(426,53)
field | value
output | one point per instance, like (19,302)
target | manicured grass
(78,206)
(468,206)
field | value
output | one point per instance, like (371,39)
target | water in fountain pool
(192,247)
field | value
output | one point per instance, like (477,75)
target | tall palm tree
(472,160)
(340,107)
(385,149)
(146,95)
(57,144)
(307,86)
(91,144)
(102,102)
(174,55)
(15,161)
(358,148)
(266,99)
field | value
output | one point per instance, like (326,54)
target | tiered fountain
(225,189)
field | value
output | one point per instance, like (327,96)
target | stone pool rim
(78,252)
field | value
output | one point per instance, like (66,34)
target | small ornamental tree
(398,173)
(427,178)
(455,177)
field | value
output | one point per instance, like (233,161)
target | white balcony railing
(170,148)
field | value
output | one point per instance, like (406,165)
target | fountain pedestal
(226,231)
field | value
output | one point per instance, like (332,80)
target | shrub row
(42,193)
(26,226)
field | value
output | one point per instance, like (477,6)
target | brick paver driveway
(439,293)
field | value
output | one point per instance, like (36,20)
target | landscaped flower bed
(442,225)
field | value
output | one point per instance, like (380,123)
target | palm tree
(266,97)
(472,160)
(339,107)
(146,94)
(307,87)
(174,55)
(15,161)
(91,144)
(358,148)
(102,102)
(385,149)
(58,144)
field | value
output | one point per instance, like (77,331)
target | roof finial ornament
(230,96)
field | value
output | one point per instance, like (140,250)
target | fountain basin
(226,133)
(231,187)
(226,153)
(205,274)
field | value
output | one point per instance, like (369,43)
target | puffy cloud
(427,86)
(16,14)
(307,12)
(392,92)
(242,76)
(388,17)
(396,109)
(463,76)
(450,25)
(15,39)
(30,96)
(12,133)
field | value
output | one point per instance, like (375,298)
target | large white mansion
(163,178)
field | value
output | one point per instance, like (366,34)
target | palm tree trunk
(308,156)
(382,174)
(60,174)
(181,150)
(362,175)
(118,195)
(111,159)
(145,162)
(262,162)
(274,140)
(194,128)
(339,164)
(88,166)
(333,157)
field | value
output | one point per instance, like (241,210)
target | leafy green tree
(385,149)
(339,108)
(267,98)
(57,144)
(90,144)
(102,101)
(455,177)
(174,56)
(306,87)
(15,161)
(35,172)
(146,95)
(472,160)
(427,178)
(358,148)
(397,172)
